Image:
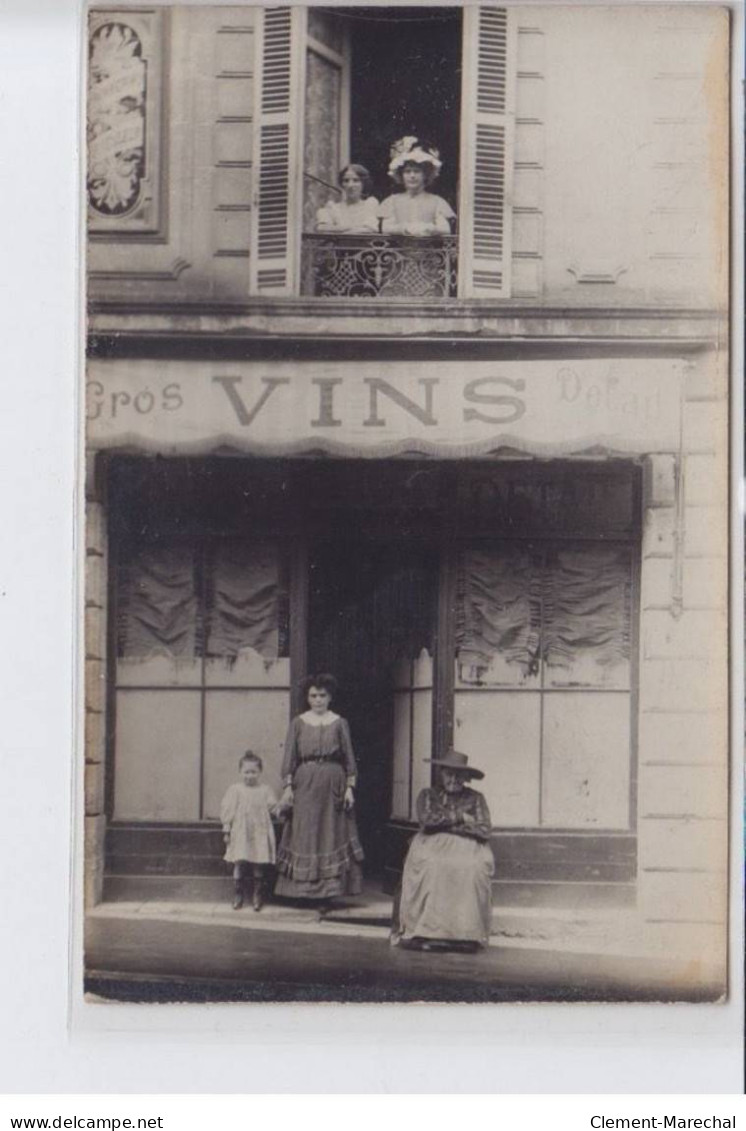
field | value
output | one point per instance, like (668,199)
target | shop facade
(494,502)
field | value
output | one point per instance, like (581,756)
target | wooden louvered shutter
(276,212)
(487,130)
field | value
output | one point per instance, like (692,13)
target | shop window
(413,730)
(341,85)
(202,670)
(543,679)
(489,605)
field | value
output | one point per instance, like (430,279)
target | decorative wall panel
(124,155)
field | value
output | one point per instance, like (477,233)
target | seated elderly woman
(357,211)
(415,212)
(446,895)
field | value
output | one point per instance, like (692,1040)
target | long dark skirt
(446,890)
(319,854)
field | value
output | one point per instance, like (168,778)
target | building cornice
(287,327)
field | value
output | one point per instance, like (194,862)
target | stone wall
(202,248)
(623,205)
(96,585)
(683,727)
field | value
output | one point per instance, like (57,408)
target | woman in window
(357,211)
(446,894)
(319,856)
(415,211)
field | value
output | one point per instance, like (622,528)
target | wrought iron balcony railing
(379,266)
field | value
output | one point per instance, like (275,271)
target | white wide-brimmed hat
(408,149)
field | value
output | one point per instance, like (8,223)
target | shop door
(371,615)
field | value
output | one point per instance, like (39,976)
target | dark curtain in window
(499,606)
(244,599)
(586,596)
(157,602)
(160,606)
(587,610)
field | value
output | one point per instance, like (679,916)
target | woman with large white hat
(415,211)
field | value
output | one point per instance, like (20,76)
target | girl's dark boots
(257,901)
(238,894)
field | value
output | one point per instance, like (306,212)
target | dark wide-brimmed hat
(453,760)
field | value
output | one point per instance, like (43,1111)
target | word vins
(499,406)
(292,403)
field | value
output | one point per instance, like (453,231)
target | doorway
(372,610)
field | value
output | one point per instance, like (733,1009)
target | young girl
(249,837)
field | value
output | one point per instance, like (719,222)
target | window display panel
(413,728)
(506,725)
(402,746)
(157,770)
(237,721)
(586,760)
(422,743)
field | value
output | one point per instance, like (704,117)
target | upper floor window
(400,247)
(383,153)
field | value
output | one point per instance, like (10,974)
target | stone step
(164,840)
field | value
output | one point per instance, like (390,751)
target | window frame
(484,257)
(203,546)
(445,651)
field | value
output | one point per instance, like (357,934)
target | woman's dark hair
(429,172)
(250,756)
(325,681)
(364,176)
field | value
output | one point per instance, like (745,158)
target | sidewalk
(569,931)
(174,951)
(577,929)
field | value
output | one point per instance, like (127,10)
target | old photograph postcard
(407,511)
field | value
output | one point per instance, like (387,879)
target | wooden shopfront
(460,545)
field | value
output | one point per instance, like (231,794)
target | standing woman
(320,854)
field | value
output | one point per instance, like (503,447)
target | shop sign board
(378,408)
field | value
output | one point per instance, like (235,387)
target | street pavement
(150,959)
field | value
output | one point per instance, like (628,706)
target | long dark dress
(446,884)
(320,854)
